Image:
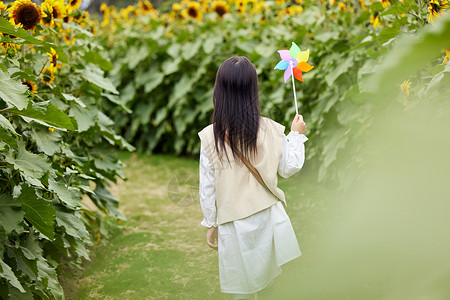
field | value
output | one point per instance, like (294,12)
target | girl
(253,232)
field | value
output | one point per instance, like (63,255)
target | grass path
(160,252)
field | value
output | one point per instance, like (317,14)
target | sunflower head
(73,5)
(32,87)
(220,7)
(25,13)
(436,8)
(375,19)
(47,14)
(385,3)
(2,6)
(145,6)
(58,8)
(193,11)
(294,10)
(48,75)
(53,58)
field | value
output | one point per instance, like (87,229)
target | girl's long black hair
(236,107)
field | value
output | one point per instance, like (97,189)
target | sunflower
(73,5)
(145,6)
(406,85)
(10,48)
(436,8)
(385,3)
(447,55)
(47,75)
(25,13)
(176,7)
(47,14)
(241,6)
(363,4)
(32,87)
(58,8)
(375,19)
(53,59)
(2,6)
(192,10)
(342,7)
(220,7)
(294,10)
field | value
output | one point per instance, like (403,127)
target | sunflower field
(165,62)
(56,137)
(73,87)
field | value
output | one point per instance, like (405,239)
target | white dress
(252,249)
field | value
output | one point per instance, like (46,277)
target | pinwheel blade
(298,74)
(303,56)
(282,65)
(294,51)
(284,54)
(287,74)
(304,67)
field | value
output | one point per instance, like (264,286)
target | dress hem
(266,284)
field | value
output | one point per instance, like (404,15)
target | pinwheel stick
(293,87)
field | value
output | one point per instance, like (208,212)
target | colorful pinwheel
(294,61)
(298,59)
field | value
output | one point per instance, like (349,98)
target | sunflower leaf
(12,91)
(31,165)
(38,212)
(95,75)
(9,275)
(47,112)
(10,214)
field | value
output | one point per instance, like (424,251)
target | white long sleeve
(292,160)
(207,190)
(293,154)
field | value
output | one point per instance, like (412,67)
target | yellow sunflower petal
(303,56)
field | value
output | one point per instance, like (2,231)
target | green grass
(160,252)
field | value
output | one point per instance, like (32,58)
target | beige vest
(238,193)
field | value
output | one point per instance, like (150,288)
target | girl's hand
(298,124)
(211,237)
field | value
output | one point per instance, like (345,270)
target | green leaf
(136,55)
(9,275)
(103,195)
(211,42)
(6,124)
(47,142)
(8,28)
(98,59)
(190,49)
(47,112)
(12,91)
(49,275)
(85,117)
(11,217)
(95,75)
(38,212)
(64,194)
(153,81)
(171,66)
(72,224)
(340,69)
(31,165)
(7,138)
